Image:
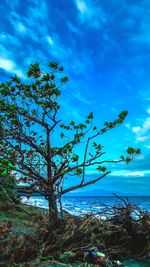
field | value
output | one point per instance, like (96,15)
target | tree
(7,182)
(29,125)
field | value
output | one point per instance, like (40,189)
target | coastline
(81,205)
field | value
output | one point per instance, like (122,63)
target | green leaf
(90,116)
(75,158)
(53,65)
(64,79)
(138,151)
(101,168)
(34,71)
(52,77)
(72,123)
(46,258)
(62,135)
(78,171)
(130,150)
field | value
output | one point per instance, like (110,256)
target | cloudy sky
(104,47)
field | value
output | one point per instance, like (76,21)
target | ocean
(80,205)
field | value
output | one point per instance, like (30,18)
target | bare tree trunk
(53,211)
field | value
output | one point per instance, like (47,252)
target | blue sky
(104,47)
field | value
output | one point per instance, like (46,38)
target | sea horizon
(80,205)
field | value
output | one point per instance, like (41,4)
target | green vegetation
(29,121)
(7,182)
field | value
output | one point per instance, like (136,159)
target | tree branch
(82,185)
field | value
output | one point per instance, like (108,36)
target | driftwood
(124,232)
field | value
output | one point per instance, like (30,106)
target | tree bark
(53,211)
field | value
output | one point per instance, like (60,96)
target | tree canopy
(29,124)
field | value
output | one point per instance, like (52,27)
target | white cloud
(59,50)
(127,125)
(135,173)
(142,138)
(123,173)
(34,22)
(91,171)
(7,41)
(146,125)
(93,15)
(50,40)
(10,66)
(141,132)
(37,28)
(136,129)
(148,110)
(19,73)
(81,98)
(17,22)
(76,115)
(81,5)
(21,27)
(139,157)
(6,64)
